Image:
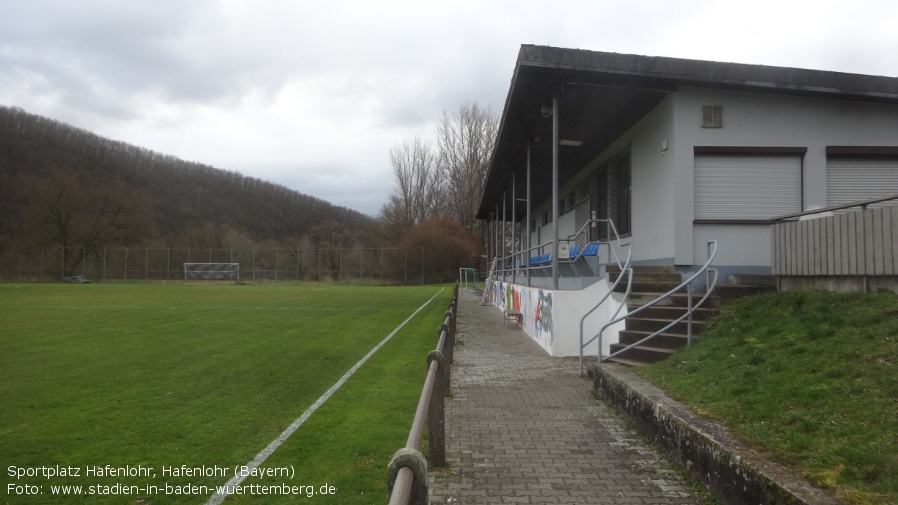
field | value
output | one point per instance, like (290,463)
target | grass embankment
(810,378)
(164,376)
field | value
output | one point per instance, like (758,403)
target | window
(858,173)
(747,184)
(712,116)
(611,195)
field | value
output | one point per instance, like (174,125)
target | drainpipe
(555,140)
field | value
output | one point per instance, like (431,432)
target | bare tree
(417,192)
(465,142)
(335,242)
(84,218)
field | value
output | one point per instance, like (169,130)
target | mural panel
(535,304)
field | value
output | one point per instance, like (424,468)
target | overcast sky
(312,95)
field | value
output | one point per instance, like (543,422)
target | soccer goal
(212,272)
(467,278)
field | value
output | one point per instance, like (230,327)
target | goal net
(212,272)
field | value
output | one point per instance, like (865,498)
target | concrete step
(651,277)
(643,269)
(652,325)
(671,341)
(678,299)
(643,354)
(620,361)
(650,283)
(646,286)
(671,312)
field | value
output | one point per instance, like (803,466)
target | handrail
(705,269)
(859,203)
(407,472)
(629,290)
(503,261)
(625,267)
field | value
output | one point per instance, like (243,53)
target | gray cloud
(313,96)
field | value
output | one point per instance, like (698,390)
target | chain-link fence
(257,266)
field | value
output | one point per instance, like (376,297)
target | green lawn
(810,378)
(163,376)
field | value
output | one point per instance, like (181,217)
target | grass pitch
(169,377)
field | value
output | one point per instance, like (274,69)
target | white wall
(764,120)
(569,308)
(552,318)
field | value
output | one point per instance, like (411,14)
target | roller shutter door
(853,179)
(749,187)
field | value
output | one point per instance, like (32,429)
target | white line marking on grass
(260,458)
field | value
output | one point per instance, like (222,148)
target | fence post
(449,345)
(411,460)
(436,414)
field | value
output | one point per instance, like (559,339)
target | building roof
(602,95)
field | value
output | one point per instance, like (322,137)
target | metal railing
(624,268)
(407,472)
(520,260)
(863,204)
(690,307)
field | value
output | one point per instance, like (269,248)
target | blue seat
(592,249)
(573,252)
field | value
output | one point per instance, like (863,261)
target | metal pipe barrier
(710,284)
(407,472)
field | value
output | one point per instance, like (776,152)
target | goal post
(212,272)
(466,276)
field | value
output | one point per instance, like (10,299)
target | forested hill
(53,176)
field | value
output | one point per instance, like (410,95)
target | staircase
(651,282)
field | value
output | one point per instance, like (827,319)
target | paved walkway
(523,427)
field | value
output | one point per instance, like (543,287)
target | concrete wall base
(732,472)
(839,284)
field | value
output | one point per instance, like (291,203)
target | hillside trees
(85,217)
(445,247)
(187,204)
(335,242)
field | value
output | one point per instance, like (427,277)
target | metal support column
(504,227)
(555,210)
(529,234)
(514,225)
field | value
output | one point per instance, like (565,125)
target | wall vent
(712,116)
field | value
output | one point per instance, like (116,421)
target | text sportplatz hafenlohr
(61,480)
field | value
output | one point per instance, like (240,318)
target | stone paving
(523,427)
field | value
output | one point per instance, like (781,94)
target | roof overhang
(602,95)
